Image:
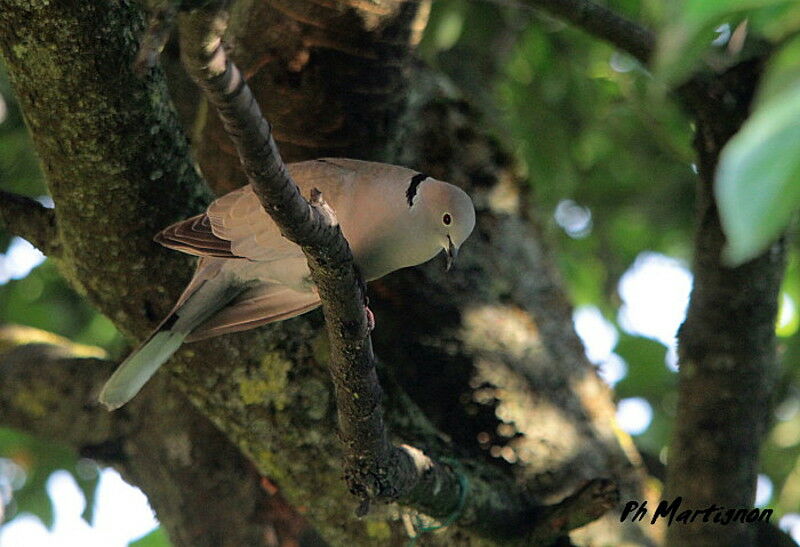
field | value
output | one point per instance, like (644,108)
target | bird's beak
(451,252)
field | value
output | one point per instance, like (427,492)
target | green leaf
(758,177)
(34,500)
(156,538)
(89,489)
(782,73)
(648,375)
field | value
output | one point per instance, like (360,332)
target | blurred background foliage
(609,158)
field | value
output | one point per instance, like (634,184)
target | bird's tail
(204,299)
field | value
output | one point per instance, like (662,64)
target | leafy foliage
(691,38)
(759,173)
(599,138)
(156,538)
(758,178)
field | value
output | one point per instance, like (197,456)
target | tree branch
(603,23)
(117,164)
(727,342)
(374,468)
(31,220)
(315,230)
(767,534)
(726,346)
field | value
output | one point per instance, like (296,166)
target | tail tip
(110,403)
(110,407)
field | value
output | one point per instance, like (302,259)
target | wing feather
(236,226)
(195,236)
(239,218)
(265,303)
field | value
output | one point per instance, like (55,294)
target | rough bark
(728,365)
(27,218)
(330,77)
(268,391)
(115,158)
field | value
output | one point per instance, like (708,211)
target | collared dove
(250,275)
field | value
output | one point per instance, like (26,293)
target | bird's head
(447,214)
(406,222)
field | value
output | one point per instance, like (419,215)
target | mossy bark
(115,157)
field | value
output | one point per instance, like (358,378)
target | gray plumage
(250,275)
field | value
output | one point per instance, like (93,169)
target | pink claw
(370,319)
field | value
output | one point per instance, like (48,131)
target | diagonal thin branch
(585,505)
(374,468)
(603,23)
(31,220)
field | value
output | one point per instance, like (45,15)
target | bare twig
(607,25)
(374,468)
(30,219)
(587,504)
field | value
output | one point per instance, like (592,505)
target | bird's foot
(370,319)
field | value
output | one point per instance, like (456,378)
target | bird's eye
(447,219)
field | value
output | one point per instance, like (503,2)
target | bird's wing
(239,218)
(262,304)
(236,225)
(195,237)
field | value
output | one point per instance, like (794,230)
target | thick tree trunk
(728,365)
(115,158)
(464,346)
